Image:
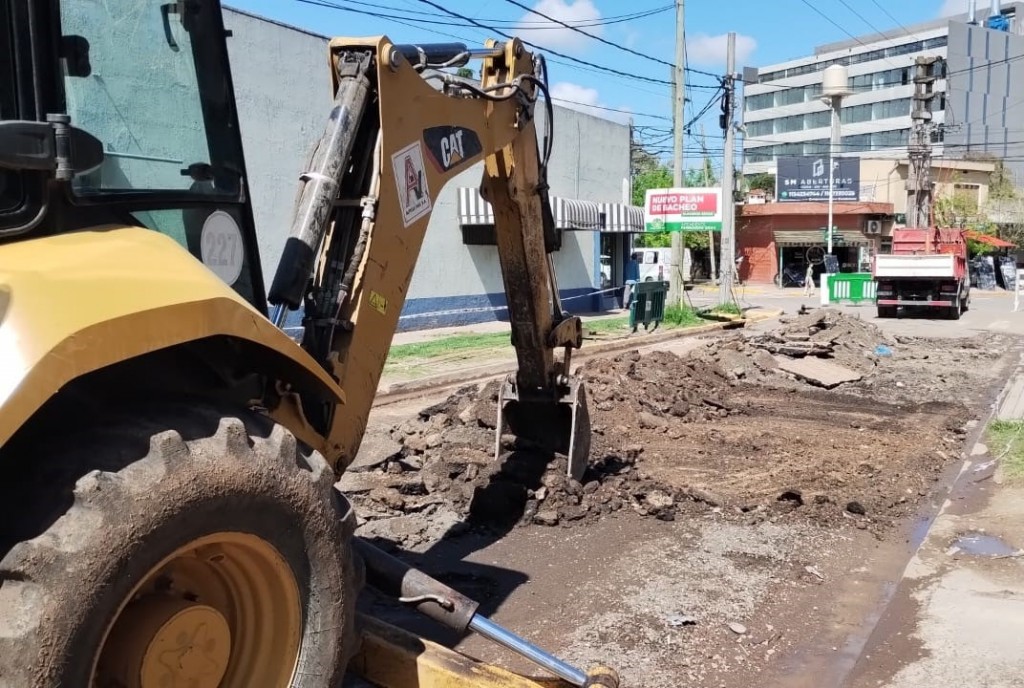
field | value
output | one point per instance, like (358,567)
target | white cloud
(706,50)
(588,100)
(536,29)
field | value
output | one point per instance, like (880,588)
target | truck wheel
(953,312)
(887,311)
(184,549)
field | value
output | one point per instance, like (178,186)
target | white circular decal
(221,246)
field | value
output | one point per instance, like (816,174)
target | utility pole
(919,183)
(727,263)
(675,277)
(835,85)
(707,182)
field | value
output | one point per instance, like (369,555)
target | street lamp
(835,84)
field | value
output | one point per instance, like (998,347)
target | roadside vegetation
(463,346)
(1006,442)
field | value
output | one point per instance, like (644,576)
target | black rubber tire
(143,487)
(887,311)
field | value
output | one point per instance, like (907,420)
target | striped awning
(473,209)
(619,217)
(816,237)
(569,214)
(573,214)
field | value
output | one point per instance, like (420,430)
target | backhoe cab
(168,454)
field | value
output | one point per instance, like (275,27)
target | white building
(981,82)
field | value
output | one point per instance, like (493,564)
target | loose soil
(750,479)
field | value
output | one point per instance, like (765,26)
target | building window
(968,192)
(765,126)
(857,58)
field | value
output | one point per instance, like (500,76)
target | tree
(961,210)
(465,73)
(763,181)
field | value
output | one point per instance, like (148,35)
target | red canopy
(989,239)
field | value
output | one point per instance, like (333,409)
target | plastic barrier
(851,287)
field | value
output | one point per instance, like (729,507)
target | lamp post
(835,85)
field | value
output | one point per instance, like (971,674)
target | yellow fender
(74,303)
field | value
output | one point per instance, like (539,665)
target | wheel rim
(223,610)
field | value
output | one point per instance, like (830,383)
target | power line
(611,109)
(603,40)
(886,12)
(631,79)
(603,68)
(860,16)
(590,23)
(703,111)
(836,24)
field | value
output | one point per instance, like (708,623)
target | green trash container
(648,305)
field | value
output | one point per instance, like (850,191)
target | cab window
(148,95)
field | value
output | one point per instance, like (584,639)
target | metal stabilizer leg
(395,578)
(560,424)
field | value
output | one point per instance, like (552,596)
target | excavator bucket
(560,425)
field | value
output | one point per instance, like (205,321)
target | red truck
(926,269)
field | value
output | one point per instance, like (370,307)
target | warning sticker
(378,303)
(411,179)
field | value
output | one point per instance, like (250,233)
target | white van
(655,262)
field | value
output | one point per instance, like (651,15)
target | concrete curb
(401,390)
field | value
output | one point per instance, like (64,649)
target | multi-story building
(978,109)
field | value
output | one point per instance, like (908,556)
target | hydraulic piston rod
(448,606)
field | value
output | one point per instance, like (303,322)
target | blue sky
(769,31)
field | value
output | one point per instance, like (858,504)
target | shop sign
(683,210)
(805,178)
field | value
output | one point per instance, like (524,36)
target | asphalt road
(989,312)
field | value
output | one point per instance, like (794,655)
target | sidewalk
(957,618)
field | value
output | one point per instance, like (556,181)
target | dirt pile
(721,429)
(442,460)
(824,333)
(644,391)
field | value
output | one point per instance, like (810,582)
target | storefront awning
(570,214)
(473,209)
(573,214)
(619,217)
(816,237)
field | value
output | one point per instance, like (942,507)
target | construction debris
(818,373)
(725,430)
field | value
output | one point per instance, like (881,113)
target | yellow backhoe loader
(168,455)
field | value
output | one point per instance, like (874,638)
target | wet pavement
(958,613)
